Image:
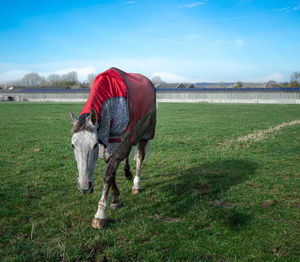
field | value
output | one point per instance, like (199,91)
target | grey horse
(124,117)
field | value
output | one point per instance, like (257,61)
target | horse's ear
(73,118)
(94,117)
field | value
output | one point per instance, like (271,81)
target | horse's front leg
(115,203)
(100,218)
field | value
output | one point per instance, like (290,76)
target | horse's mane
(81,125)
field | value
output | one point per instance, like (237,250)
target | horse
(120,113)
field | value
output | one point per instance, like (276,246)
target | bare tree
(14,83)
(54,80)
(238,84)
(295,80)
(32,80)
(156,80)
(272,84)
(90,78)
(295,76)
(221,85)
(69,79)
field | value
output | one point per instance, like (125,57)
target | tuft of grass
(201,200)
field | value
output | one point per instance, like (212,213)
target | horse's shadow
(201,186)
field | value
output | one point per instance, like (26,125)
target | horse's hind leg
(140,155)
(127,172)
(108,179)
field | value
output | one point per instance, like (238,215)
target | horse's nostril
(88,190)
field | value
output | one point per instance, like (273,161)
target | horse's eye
(73,146)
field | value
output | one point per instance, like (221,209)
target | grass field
(207,195)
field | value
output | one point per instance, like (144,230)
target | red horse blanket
(121,100)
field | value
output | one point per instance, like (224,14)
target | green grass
(201,200)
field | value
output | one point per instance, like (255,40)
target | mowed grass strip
(201,201)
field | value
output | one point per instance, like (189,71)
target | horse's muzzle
(89,190)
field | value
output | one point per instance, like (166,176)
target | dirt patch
(166,219)
(269,203)
(259,135)
(95,251)
(225,204)
(203,188)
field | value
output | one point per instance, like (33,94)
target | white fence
(270,96)
(46,96)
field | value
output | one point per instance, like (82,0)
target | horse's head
(85,144)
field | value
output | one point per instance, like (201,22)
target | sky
(180,41)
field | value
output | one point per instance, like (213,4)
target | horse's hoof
(128,175)
(116,205)
(136,191)
(99,223)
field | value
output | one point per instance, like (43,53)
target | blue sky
(192,41)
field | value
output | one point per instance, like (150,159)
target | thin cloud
(239,42)
(221,42)
(129,2)
(193,36)
(229,19)
(278,77)
(12,75)
(192,5)
(9,72)
(173,78)
(169,69)
(295,7)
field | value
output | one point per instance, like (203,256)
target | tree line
(68,81)
(294,82)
